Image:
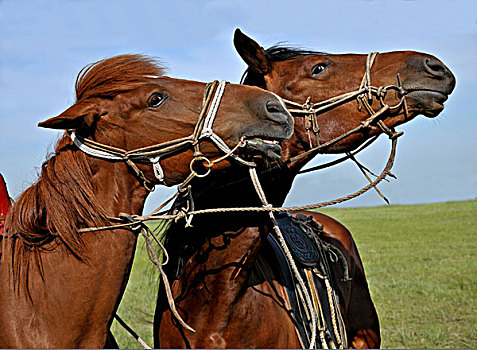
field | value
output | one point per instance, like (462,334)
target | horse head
(408,82)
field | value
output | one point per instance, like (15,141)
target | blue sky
(44,44)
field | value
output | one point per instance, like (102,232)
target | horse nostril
(435,67)
(274,107)
(277,112)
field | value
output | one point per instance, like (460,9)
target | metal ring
(382,96)
(203,159)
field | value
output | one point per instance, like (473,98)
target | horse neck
(216,239)
(223,254)
(214,273)
(117,190)
(211,283)
(76,298)
(233,187)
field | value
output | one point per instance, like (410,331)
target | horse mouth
(429,102)
(267,147)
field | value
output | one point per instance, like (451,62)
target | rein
(153,154)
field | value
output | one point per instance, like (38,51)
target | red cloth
(4,202)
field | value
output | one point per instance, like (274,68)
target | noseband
(203,130)
(364,97)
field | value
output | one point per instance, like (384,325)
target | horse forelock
(115,75)
(50,212)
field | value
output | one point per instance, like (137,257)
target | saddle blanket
(314,265)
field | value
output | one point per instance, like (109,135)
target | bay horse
(60,288)
(300,74)
(226,282)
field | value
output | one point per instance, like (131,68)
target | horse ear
(81,114)
(251,52)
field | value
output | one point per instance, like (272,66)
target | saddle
(310,253)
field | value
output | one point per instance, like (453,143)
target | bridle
(364,96)
(153,154)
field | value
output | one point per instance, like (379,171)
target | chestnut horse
(60,288)
(226,281)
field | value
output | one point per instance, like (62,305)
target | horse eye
(156,99)
(318,69)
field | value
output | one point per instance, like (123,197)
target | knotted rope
(146,232)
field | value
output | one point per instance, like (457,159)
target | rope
(329,292)
(131,331)
(145,232)
(291,261)
(340,160)
(318,309)
(382,176)
(137,218)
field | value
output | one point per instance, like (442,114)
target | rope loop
(207,165)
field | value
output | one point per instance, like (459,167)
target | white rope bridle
(153,154)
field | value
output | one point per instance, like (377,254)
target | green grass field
(421,266)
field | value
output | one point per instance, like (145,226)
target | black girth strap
(314,264)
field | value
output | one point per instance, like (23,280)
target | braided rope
(317,307)
(291,261)
(329,292)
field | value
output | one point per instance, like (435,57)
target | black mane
(279,52)
(275,53)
